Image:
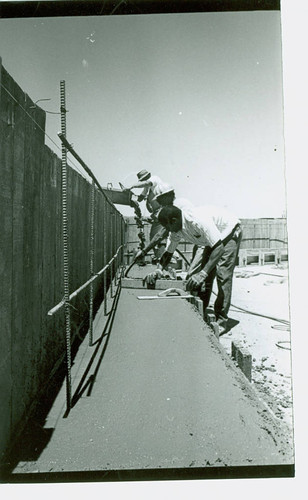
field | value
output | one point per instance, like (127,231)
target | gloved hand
(196,281)
(151,278)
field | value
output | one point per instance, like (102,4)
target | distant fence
(265,234)
(32,344)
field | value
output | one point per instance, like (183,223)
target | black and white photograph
(146,326)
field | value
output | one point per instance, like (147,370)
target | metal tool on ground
(170,293)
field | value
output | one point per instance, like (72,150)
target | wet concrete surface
(157,391)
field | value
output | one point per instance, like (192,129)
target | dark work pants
(161,246)
(223,271)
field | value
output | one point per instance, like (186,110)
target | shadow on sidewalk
(30,444)
(87,382)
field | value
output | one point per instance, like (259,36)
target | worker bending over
(217,235)
(165,198)
(152,187)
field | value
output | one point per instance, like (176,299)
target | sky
(196,99)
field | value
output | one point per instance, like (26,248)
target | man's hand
(151,278)
(196,281)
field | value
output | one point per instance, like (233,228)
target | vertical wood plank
(6,159)
(19,360)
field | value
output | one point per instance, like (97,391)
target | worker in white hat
(152,186)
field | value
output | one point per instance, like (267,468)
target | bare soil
(263,290)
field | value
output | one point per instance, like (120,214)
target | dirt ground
(264,290)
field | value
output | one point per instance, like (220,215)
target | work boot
(223,325)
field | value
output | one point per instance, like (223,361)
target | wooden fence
(264,233)
(32,344)
(260,236)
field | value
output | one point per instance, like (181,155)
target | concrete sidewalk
(157,391)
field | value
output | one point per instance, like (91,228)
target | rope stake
(92,216)
(105,258)
(111,250)
(65,250)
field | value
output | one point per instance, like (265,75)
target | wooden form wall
(31,342)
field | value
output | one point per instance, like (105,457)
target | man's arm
(172,244)
(165,259)
(139,185)
(215,255)
(159,236)
(197,279)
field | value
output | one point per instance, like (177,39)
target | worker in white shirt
(217,235)
(152,186)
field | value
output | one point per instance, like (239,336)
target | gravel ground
(264,290)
